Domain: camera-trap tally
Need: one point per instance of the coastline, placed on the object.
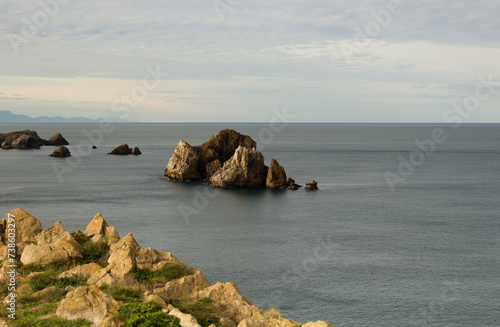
(93, 277)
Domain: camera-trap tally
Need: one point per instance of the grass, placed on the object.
(47, 279)
(55, 268)
(97, 252)
(205, 312)
(163, 275)
(146, 315)
(122, 293)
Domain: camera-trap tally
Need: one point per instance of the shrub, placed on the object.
(47, 279)
(122, 293)
(164, 275)
(149, 315)
(205, 312)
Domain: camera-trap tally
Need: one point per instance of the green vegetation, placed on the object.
(54, 268)
(205, 312)
(46, 279)
(164, 275)
(122, 293)
(146, 315)
(97, 252)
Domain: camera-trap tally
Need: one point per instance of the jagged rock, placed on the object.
(61, 152)
(183, 163)
(89, 303)
(83, 270)
(184, 286)
(276, 176)
(102, 277)
(190, 163)
(99, 227)
(312, 186)
(152, 259)
(63, 251)
(27, 226)
(56, 139)
(123, 254)
(212, 167)
(228, 298)
(318, 323)
(21, 140)
(124, 150)
(245, 169)
(186, 320)
(53, 234)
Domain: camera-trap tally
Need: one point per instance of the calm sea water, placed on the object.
(356, 253)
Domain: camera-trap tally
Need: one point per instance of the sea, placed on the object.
(403, 231)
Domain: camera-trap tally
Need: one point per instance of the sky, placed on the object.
(241, 61)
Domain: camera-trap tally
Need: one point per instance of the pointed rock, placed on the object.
(56, 139)
(27, 226)
(276, 176)
(123, 255)
(96, 227)
(54, 234)
(183, 163)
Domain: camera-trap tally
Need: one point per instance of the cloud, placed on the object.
(256, 55)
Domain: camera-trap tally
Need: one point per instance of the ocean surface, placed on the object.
(396, 236)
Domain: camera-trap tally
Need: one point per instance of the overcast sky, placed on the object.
(236, 60)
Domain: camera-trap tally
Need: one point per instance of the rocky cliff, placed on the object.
(96, 278)
(228, 160)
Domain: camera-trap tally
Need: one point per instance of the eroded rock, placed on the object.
(53, 235)
(276, 176)
(61, 152)
(63, 251)
(57, 140)
(89, 303)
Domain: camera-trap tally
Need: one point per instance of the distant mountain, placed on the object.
(8, 117)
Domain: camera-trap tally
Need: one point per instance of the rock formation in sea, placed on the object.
(21, 140)
(57, 140)
(29, 140)
(125, 150)
(61, 152)
(95, 278)
(312, 186)
(228, 160)
(291, 185)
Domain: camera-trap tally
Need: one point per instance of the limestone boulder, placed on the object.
(228, 298)
(102, 277)
(61, 152)
(98, 226)
(183, 164)
(63, 251)
(276, 176)
(184, 286)
(86, 271)
(152, 259)
(27, 226)
(57, 140)
(53, 235)
(89, 303)
(186, 320)
(245, 169)
(123, 255)
(268, 319)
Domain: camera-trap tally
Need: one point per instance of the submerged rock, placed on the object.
(61, 152)
(56, 139)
